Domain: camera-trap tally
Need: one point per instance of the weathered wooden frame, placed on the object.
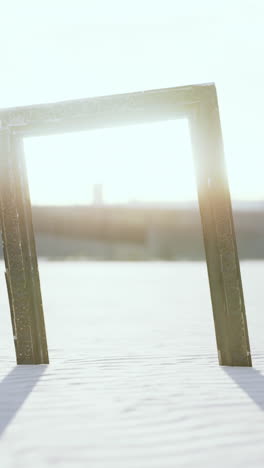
(199, 104)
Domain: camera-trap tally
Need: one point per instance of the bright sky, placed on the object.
(59, 49)
(149, 162)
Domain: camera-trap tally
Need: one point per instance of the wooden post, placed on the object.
(20, 254)
(219, 234)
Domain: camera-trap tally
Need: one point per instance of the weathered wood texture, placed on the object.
(198, 103)
(105, 111)
(219, 235)
(20, 255)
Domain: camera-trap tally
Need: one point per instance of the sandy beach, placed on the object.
(134, 379)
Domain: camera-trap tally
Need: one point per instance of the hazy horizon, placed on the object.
(131, 203)
(150, 162)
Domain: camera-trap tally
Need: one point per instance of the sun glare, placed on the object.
(143, 163)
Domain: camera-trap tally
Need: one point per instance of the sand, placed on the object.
(134, 379)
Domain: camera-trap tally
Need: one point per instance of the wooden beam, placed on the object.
(100, 112)
(219, 234)
(20, 255)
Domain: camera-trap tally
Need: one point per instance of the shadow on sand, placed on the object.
(14, 390)
(250, 380)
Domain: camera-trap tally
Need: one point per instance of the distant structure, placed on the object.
(98, 194)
